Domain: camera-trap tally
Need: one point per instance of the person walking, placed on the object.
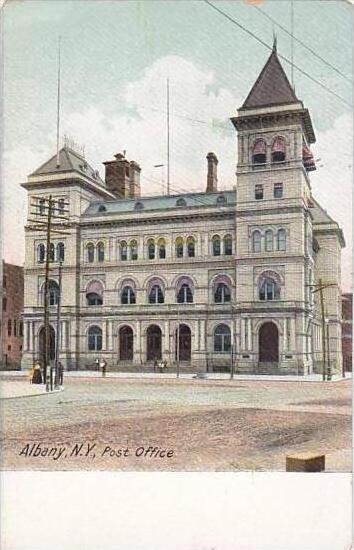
(60, 373)
(37, 374)
(103, 365)
(97, 364)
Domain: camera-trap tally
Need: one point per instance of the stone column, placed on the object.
(243, 333)
(292, 334)
(202, 335)
(32, 339)
(110, 335)
(104, 335)
(196, 335)
(249, 334)
(25, 336)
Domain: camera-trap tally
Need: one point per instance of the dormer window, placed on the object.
(259, 153)
(102, 208)
(278, 149)
(181, 202)
(138, 206)
(221, 200)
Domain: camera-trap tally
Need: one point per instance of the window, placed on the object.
(128, 295)
(179, 247)
(259, 153)
(222, 339)
(90, 253)
(161, 245)
(61, 205)
(216, 245)
(60, 252)
(41, 253)
(278, 190)
(41, 207)
(181, 202)
(9, 327)
(281, 240)
(102, 208)
(21, 328)
(269, 244)
(51, 252)
(191, 247)
(4, 303)
(156, 295)
(256, 241)
(138, 206)
(221, 200)
(228, 245)
(222, 294)
(185, 294)
(94, 293)
(278, 149)
(258, 192)
(4, 281)
(123, 251)
(151, 249)
(53, 293)
(100, 252)
(134, 250)
(269, 290)
(15, 327)
(94, 338)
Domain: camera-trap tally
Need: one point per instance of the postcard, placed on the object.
(176, 299)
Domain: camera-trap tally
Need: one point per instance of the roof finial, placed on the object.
(274, 42)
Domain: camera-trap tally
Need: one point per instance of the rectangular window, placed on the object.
(9, 327)
(258, 192)
(4, 304)
(4, 281)
(278, 190)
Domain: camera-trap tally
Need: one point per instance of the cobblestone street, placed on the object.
(167, 424)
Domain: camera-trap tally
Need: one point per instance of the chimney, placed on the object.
(134, 181)
(212, 178)
(122, 177)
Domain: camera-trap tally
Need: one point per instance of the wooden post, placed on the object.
(323, 331)
(46, 293)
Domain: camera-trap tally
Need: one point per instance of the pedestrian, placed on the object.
(37, 374)
(97, 364)
(60, 373)
(103, 366)
(30, 374)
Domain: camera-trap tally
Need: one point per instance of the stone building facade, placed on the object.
(347, 330)
(203, 279)
(11, 315)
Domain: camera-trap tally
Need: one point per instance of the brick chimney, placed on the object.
(212, 177)
(122, 177)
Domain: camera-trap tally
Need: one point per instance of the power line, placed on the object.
(279, 55)
(291, 34)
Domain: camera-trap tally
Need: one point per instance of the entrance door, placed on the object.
(185, 343)
(126, 340)
(268, 343)
(153, 343)
(41, 344)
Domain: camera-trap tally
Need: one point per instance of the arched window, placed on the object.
(191, 247)
(133, 249)
(269, 289)
(161, 245)
(256, 241)
(60, 252)
(156, 295)
(40, 253)
(269, 243)
(216, 245)
(90, 251)
(259, 152)
(100, 252)
(179, 247)
(151, 249)
(94, 293)
(222, 339)
(222, 293)
(123, 251)
(53, 293)
(51, 252)
(128, 295)
(185, 294)
(278, 149)
(94, 337)
(228, 245)
(281, 239)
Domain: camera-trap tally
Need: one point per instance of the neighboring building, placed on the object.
(11, 316)
(347, 330)
(207, 276)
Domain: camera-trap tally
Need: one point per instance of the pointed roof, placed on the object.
(69, 161)
(272, 87)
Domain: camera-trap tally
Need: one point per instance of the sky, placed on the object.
(116, 57)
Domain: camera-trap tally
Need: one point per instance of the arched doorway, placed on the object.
(126, 342)
(268, 339)
(185, 343)
(41, 344)
(153, 343)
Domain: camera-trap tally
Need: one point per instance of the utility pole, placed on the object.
(58, 338)
(177, 343)
(319, 288)
(46, 291)
(232, 347)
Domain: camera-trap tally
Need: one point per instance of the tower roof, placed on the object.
(272, 87)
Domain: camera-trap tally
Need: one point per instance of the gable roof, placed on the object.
(69, 161)
(272, 87)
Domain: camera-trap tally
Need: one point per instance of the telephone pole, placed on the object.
(319, 288)
(46, 290)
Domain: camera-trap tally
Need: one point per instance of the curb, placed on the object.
(33, 394)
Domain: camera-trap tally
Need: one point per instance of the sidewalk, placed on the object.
(18, 388)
